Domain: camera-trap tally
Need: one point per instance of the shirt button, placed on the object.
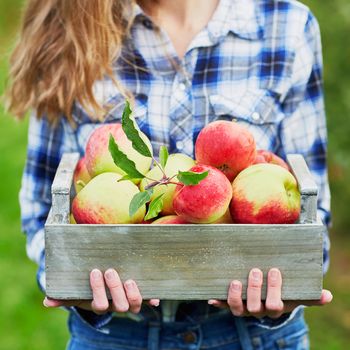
(189, 337)
(179, 145)
(182, 87)
(256, 116)
(147, 23)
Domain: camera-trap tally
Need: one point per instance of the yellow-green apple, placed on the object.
(98, 157)
(265, 194)
(205, 202)
(225, 219)
(263, 156)
(104, 200)
(81, 175)
(170, 219)
(176, 162)
(72, 220)
(227, 146)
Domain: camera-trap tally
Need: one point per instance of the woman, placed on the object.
(184, 64)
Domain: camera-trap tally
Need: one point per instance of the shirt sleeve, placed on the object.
(304, 128)
(303, 131)
(45, 148)
(46, 145)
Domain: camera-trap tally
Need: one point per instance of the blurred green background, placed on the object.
(26, 324)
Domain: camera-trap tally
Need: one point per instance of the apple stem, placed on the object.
(160, 167)
(152, 184)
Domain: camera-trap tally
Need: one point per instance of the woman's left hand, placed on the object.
(273, 306)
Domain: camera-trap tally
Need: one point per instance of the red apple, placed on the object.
(227, 146)
(263, 156)
(265, 194)
(205, 202)
(170, 219)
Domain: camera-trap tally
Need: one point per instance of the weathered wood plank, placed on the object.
(61, 188)
(307, 187)
(183, 262)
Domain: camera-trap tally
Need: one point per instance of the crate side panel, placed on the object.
(184, 262)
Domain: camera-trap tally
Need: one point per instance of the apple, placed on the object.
(227, 146)
(225, 219)
(170, 219)
(72, 220)
(146, 222)
(175, 163)
(81, 175)
(263, 156)
(205, 202)
(265, 194)
(104, 200)
(98, 157)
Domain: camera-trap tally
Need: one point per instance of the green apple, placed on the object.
(99, 159)
(81, 175)
(176, 162)
(104, 200)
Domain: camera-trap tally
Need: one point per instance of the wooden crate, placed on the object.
(182, 262)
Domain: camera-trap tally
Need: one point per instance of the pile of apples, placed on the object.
(240, 183)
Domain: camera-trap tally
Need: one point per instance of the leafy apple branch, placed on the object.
(129, 167)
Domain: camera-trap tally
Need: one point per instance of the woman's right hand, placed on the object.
(125, 296)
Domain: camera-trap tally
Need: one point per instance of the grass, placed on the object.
(26, 324)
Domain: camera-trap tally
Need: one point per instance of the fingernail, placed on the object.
(96, 274)
(129, 284)
(44, 303)
(273, 275)
(211, 302)
(329, 295)
(109, 274)
(156, 303)
(256, 275)
(235, 285)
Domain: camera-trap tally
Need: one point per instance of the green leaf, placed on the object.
(138, 201)
(155, 207)
(122, 161)
(132, 133)
(191, 178)
(125, 178)
(163, 156)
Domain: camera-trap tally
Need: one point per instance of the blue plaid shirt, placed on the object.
(256, 62)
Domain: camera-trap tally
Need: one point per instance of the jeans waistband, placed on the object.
(196, 311)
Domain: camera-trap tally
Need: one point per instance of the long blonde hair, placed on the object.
(63, 48)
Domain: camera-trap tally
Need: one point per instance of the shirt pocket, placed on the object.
(85, 125)
(257, 110)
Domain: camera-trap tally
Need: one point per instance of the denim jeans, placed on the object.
(219, 332)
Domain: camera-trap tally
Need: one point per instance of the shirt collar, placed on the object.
(237, 16)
